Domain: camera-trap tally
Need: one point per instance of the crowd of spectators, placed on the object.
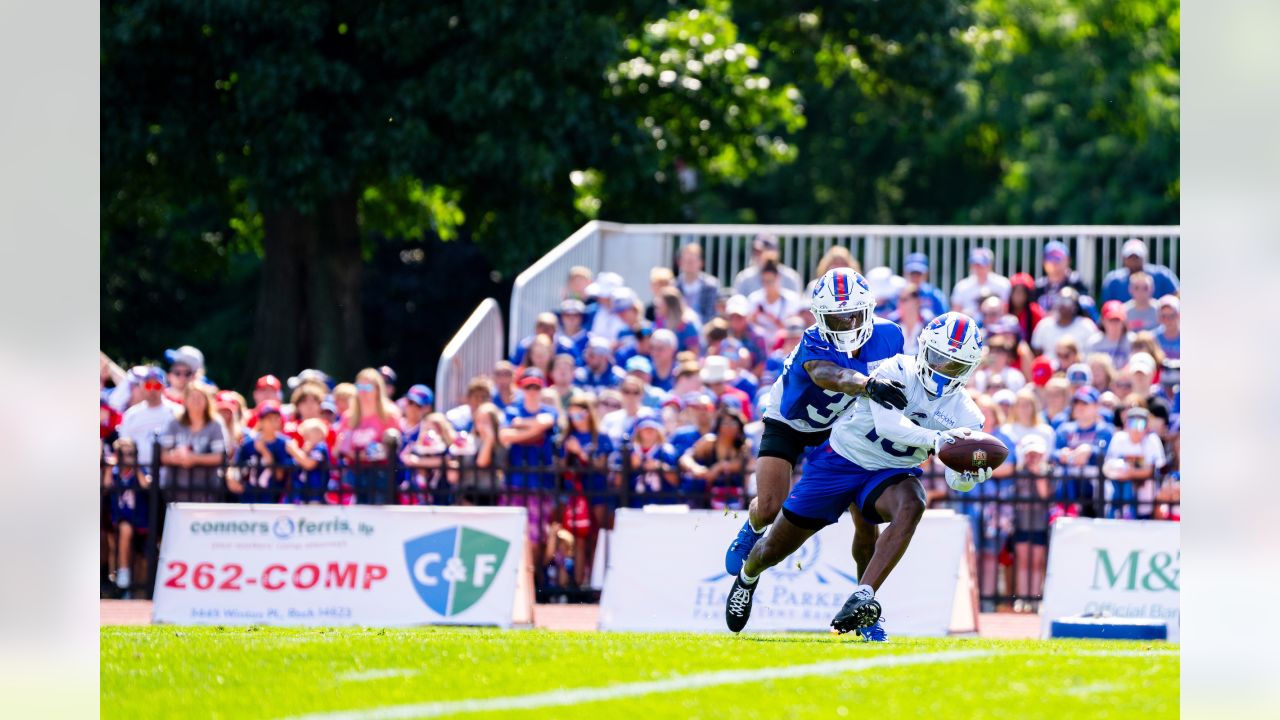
(611, 401)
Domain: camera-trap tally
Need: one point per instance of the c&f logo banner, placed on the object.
(452, 568)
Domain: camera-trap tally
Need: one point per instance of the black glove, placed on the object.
(887, 392)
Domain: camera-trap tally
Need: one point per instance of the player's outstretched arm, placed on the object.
(830, 376)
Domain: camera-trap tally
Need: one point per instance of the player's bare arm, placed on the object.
(830, 376)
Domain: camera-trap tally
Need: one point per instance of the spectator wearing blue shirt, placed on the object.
(1170, 335)
(504, 389)
(637, 344)
(916, 271)
(662, 354)
(1081, 447)
(264, 459)
(640, 368)
(546, 326)
(599, 372)
(697, 417)
(529, 436)
(651, 465)
(737, 310)
(1115, 286)
(572, 324)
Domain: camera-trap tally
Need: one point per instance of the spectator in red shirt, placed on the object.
(266, 390)
(308, 399)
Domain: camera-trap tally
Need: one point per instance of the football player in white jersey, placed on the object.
(871, 463)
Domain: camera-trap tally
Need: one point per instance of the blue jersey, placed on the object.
(797, 401)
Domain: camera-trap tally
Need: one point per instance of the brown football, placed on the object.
(977, 451)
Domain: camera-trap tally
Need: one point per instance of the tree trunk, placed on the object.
(276, 346)
(333, 291)
(309, 310)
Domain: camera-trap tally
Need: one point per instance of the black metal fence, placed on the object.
(569, 503)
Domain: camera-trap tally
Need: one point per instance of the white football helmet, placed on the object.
(949, 353)
(843, 306)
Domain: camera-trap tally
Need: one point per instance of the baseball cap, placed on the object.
(604, 285)
(639, 363)
(1142, 362)
(623, 299)
(267, 408)
(1136, 411)
(329, 404)
(1030, 443)
(268, 381)
(187, 355)
(980, 256)
(1079, 374)
(1086, 394)
(648, 422)
(1134, 246)
(1055, 252)
(599, 344)
(573, 306)
(916, 262)
(764, 241)
(1041, 370)
(698, 399)
(531, 377)
(388, 375)
(308, 375)
(737, 305)
(1170, 301)
(420, 395)
(1114, 310)
(673, 401)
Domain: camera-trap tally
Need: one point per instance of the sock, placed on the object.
(747, 579)
(757, 530)
(867, 588)
(123, 579)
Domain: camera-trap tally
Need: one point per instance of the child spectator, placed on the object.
(312, 456)
(266, 390)
(545, 326)
(650, 465)
(263, 460)
(1141, 309)
(193, 448)
(427, 459)
(1033, 487)
(344, 394)
(540, 354)
(479, 392)
(1132, 458)
(1022, 305)
(130, 508)
(481, 476)
(586, 454)
(308, 404)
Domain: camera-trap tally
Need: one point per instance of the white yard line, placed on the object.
(696, 681)
(1115, 653)
(378, 674)
(1092, 689)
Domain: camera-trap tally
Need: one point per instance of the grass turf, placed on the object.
(167, 671)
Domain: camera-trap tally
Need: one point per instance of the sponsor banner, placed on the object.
(352, 565)
(666, 572)
(1122, 568)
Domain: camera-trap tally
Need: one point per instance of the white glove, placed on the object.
(965, 481)
(949, 436)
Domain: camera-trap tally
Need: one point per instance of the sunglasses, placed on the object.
(364, 387)
(152, 385)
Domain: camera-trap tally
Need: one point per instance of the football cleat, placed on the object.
(874, 633)
(740, 548)
(861, 610)
(737, 608)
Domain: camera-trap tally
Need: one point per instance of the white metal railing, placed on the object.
(633, 250)
(473, 350)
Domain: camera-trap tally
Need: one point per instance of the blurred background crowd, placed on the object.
(609, 401)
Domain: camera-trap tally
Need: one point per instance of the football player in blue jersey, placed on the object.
(820, 379)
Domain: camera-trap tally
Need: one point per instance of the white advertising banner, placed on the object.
(1123, 568)
(353, 565)
(666, 572)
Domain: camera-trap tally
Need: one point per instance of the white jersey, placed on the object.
(875, 437)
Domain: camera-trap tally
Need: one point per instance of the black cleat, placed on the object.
(737, 608)
(860, 611)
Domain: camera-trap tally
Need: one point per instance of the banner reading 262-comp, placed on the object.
(319, 565)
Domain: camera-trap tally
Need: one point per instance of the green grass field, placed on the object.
(354, 673)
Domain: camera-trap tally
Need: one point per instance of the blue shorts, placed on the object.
(831, 483)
